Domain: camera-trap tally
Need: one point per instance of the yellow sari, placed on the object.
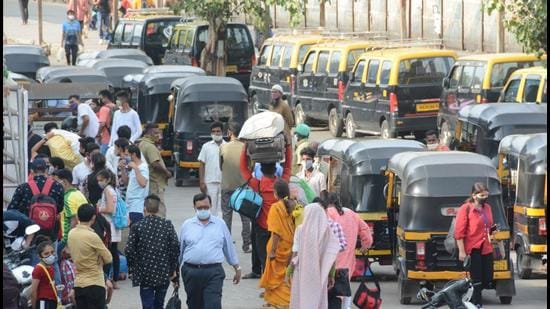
(277, 291)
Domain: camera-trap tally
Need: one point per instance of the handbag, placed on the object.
(368, 298)
(246, 201)
(174, 302)
(341, 282)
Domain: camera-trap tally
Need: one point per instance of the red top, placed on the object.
(265, 184)
(45, 289)
(442, 147)
(473, 229)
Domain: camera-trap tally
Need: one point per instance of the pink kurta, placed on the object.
(353, 226)
(81, 8)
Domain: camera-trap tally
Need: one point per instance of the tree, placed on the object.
(525, 19)
(218, 12)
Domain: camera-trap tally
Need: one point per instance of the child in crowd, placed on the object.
(44, 292)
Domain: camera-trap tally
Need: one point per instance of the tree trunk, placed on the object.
(213, 55)
(322, 13)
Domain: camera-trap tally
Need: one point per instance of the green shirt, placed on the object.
(73, 199)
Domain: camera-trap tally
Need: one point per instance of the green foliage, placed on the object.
(526, 20)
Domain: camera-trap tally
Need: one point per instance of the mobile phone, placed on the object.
(494, 228)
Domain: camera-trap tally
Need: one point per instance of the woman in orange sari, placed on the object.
(280, 223)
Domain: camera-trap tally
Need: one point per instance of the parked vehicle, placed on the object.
(425, 190)
(188, 40)
(116, 69)
(146, 29)
(477, 79)
(24, 59)
(199, 101)
(70, 74)
(362, 182)
(150, 94)
(123, 53)
(277, 64)
(395, 92)
(322, 79)
(523, 170)
(481, 127)
(526, 86)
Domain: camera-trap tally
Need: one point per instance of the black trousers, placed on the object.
(203, 286)
(71, 52)
(481, 270)
(24, 7)
(256, 265)
(334, 302)
(90, 297)
(261, 237)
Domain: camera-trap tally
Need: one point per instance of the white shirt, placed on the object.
(317, 181)
(93, 125)
(112, 159)
(210, 156)
(131, 119)
(72, 138)
(80, 173)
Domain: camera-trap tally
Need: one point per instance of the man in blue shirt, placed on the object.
(71, 37)
(205, 241)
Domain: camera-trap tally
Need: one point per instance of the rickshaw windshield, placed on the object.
(367, 193)
(154, 108)
(197, 116)
(530, 189)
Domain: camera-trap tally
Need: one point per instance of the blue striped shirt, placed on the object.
(206, 243)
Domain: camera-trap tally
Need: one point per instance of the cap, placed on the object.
(39, 164)
(277, 87)
(302, 129)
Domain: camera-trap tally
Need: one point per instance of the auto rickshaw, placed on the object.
(481, 127)
(116, 69)
(123, 53)
(201, 100)
(25, 59)
(522, 168)
(331, 152)
(363, 187)
(70, 74)
(425, 190)
(151, 93)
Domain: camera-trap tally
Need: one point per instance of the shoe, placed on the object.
(247, 249)
(251, 276)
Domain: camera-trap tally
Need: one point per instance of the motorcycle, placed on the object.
(456, 293)
(19, 264)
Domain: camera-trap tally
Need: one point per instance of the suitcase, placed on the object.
(267, 149)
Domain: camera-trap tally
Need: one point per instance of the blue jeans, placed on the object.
(153, 297)
(103, 25)
(103, 148)
(135, 217)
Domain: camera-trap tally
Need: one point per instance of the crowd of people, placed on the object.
(83, 185)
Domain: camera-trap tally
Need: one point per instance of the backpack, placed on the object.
(450, 241)
(120, 217)
(43, 210)
(246, 201)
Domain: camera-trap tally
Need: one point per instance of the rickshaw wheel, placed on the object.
(299, 114)
(523, 272)
(505, 300)
(400, 287)
(385, 130)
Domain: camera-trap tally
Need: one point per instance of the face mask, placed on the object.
(128, 159)
(118, 103)
(102, 185)
(432, 146)
(70, 17)
(309, 164)
(481, 201)
(217, 138)
(51, 169)
(203, 214)
(49, 259)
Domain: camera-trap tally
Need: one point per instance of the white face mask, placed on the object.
(203, 214)
(70, 17)
(308, 164)
(432, 146)
(217, 138)
(49, 259)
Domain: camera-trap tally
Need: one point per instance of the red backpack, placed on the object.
(43, 210)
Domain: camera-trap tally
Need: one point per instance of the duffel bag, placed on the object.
(246, 201)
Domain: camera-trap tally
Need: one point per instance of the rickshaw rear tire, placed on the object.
(523, 272)
(505, 300)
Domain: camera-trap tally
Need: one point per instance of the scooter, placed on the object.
(18, 262)
(456, 294)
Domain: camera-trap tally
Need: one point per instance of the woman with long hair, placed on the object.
(280, 223)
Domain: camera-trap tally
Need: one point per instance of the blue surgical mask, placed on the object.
(309, 164)
(50, 259)
(203, 214)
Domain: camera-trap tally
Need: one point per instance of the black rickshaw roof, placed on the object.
(532, 148)
(76, 74)
(443, 173)
(24, 58)
(370, 156)
(125, 53)
(335, 147)
(209, 88)
(159, 83)
(494, 115)
(64, 90)
(116, 69)
(155, 69)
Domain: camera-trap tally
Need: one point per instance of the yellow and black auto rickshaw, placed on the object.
(522, 168)
(199, 101)
(425, 190)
